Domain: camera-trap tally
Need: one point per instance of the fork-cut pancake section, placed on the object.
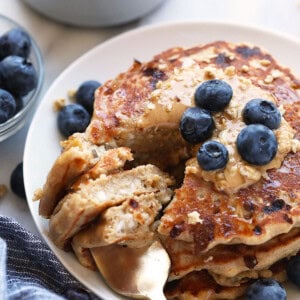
(91, 197)
(129, 224)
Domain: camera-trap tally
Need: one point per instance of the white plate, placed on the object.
(106, 61)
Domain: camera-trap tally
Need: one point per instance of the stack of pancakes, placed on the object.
(222, 230)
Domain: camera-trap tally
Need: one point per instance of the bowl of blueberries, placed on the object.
(21, 76)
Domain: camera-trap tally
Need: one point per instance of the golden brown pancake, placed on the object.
(200, 285)
(230, 260)
(252, 215)
(255, 213)
(243, 217)
(141, 107)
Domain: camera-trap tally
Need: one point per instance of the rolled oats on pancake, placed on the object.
(223, 227)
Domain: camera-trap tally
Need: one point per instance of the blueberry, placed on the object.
(18, 75)
(266, 289)
(17, 181)
(85, 94)
(76, 294)
(262, 112)
(7, 105)
(196, 125)
(72, 118)
(212, 155)
(213, 95)
(257, 144)
(20, 103)
(15, 42)
(293, 270)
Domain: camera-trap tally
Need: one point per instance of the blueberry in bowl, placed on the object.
(15, 42)
(18, 75)
(21, 76)
(7, 105)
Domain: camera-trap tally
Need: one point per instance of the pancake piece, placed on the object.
(132, 224)
(78, 155)
(128, 223)
(88, 198)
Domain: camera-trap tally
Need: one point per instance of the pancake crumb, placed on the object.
(59, 104)
(194, 217)
(38, 194)
(3, 190)
(72, 94)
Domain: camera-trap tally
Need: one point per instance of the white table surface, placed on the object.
(61, 44)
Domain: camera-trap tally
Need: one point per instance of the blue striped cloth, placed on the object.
(28, 268)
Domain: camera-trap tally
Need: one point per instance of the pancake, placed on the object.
(223, 228)
(229, 261)
(251, 216)
(141, 107)
(201, 285)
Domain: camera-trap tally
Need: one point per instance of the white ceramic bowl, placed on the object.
(18, 120)
(94, 12)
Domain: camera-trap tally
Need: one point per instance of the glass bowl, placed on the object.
(18, 120)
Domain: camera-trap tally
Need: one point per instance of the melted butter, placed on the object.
(174, 95)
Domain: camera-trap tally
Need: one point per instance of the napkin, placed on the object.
(29, 269)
